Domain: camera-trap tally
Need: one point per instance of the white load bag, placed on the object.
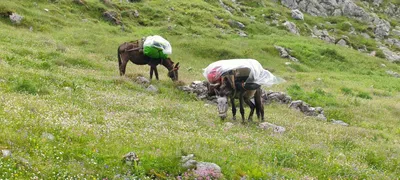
(257, 73)
(158, 42)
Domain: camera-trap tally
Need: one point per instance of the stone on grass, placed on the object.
(48, 136)
(6, 153)
(297, 14)
(339, 122)
(16, 18)
(142, 80)
(152, 88)
(207, 169)
(131, 159)
(188, 162)
(275, 128)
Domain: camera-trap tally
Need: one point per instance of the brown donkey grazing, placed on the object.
(235, 88)
(134, 52)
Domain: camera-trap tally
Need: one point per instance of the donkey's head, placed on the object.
(172, 70)
(222, 104)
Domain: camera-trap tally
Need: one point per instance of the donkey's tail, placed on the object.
(119, 57)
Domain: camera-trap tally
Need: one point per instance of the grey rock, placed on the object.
(228, 125)
(48, 136)
(382, 29)
(342, 42)
(152, 88)
(131, 159)
(112, 17)
(187, 158)
(142, 80)
(280, 97)
(393, 42)
(190, 164)
(6, 153)
(394, 74)
(227, 8)
(297, 14)
(390, 55)
(363, 49)
(291, 27)
(242, 34)
(365, 35)
(396, 32)
(377, 2)
(392, 10)
(292, 4)
(350, 9)
(136, 13)
(236, 24)
(323, 35)
(339, 122)
(321, 117)
(16, 18)
(273, 127)
(207, 169)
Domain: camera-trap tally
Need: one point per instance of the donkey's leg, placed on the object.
(252, 107)
(156, 72)
(241, 105)
(233, 107)
(151, 72)
(122, 65)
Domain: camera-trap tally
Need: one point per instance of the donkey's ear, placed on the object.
(177, 65)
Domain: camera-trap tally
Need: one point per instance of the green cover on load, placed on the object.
(154, 52)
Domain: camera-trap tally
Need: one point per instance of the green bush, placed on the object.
(346, 91)
(364, 95)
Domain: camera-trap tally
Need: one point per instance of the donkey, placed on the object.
(233, 87)
(134, 52)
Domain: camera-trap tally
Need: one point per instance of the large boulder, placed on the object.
(297, 14)
(382, 28)
(350, 9)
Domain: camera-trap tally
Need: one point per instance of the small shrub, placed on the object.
(380, 54)
(338, 114)
(332, 54)
(376, 160)
(347, 91)
(295, 91)
(364, 95)
(26, 86)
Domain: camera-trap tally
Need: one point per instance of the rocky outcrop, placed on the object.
(382, 28)
(323, 35)
(390, 55)
(346, 8)
(284, 53)
(291, 27)
(200, 89)
(307, 109)
(112, 17)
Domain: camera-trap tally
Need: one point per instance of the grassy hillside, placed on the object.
(66, 113)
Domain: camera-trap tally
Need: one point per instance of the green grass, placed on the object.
(62, 79)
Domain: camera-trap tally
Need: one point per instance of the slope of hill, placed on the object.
(66, 113)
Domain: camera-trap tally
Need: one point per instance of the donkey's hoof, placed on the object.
(234, 118)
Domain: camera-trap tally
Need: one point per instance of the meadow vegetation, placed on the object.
(59, 76)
